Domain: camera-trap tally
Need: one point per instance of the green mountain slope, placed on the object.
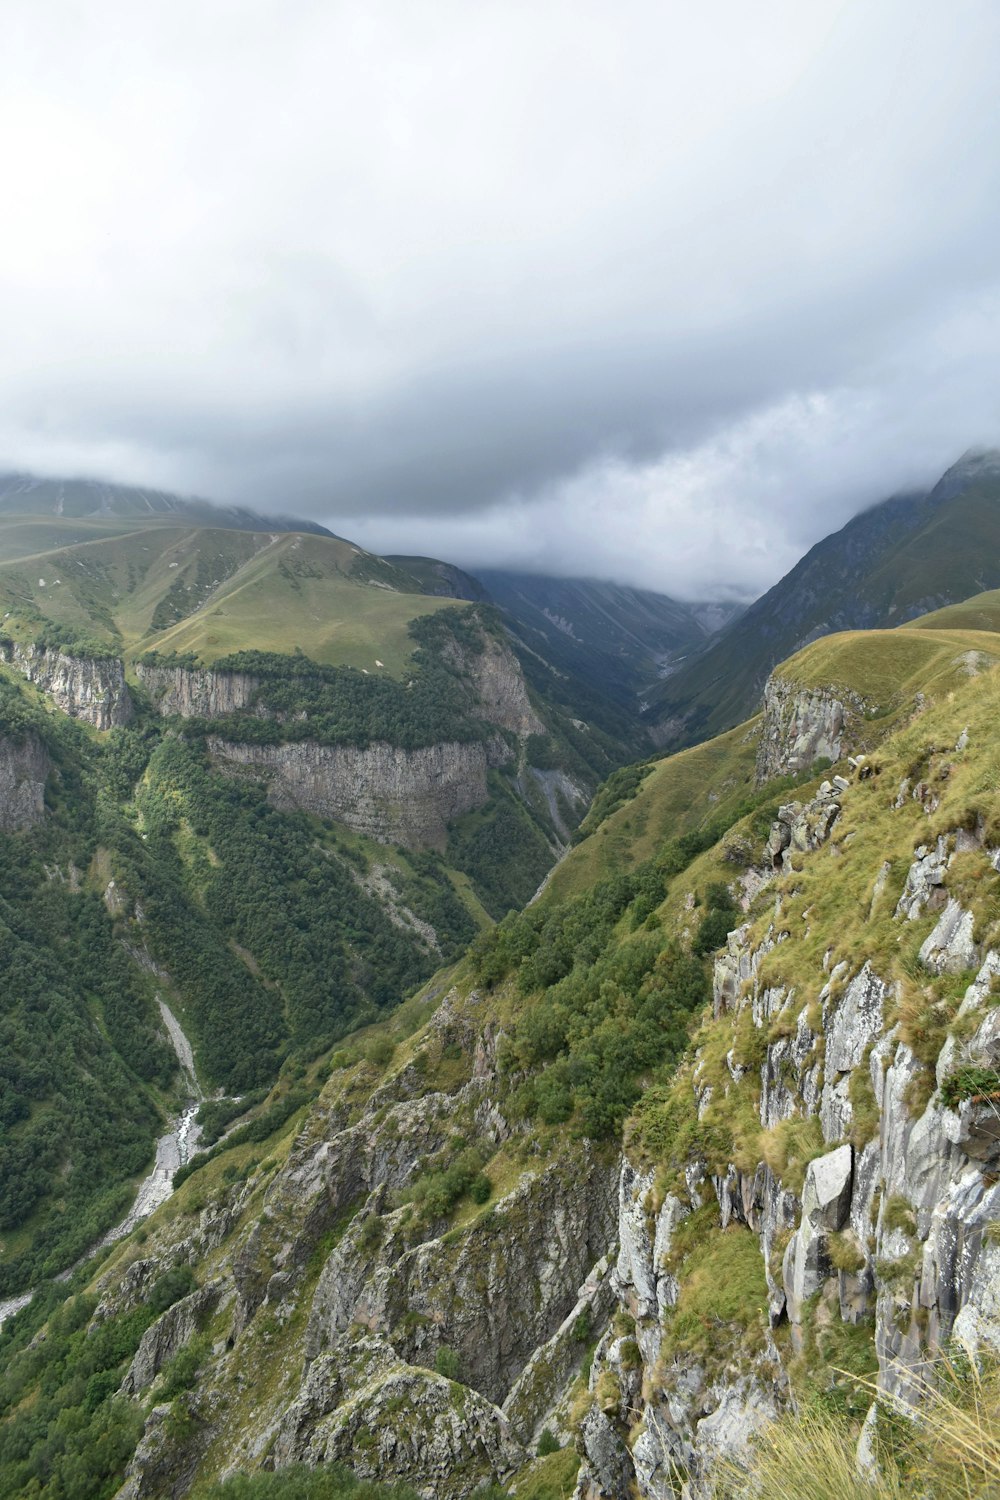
(702, 1137)
(315, 788)
(901, 559)
(209, 592)
(618, 638)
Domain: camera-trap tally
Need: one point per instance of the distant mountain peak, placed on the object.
(42, 495)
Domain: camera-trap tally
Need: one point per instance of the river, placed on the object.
(173, 1150)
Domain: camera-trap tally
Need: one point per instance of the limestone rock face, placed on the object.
(88, 688)
(24, 769)
(166, 1337)
(801, 725)
(501, 693)
(395, 796)
(197, 693)
(894, 1224)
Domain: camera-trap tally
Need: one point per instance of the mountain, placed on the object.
(700, 1144)
(95, 500)
(436, 577)
(911, 554)
(620, 638)
(255, 787)
(609, 643)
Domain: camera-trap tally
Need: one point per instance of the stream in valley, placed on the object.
(173, 1150)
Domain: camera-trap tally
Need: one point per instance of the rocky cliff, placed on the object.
(499, 686)
(802, 725)
(197, 693)
(445, 1262)
(843, 1131)
(24, 770)
(85, 687)
(408, 1345)
(396, 796)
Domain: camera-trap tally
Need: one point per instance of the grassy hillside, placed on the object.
(887, 666)
(211, 592)
(981, 612)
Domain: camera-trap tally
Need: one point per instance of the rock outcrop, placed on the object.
(501, 692)
(428, 1352)
(24, 770)
(802, 725)
(893, 1225)
(197, 693)
(89, 688)
(397, 796)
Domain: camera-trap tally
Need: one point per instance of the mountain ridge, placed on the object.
(899, 559)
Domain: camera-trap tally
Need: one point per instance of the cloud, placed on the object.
(657, 291)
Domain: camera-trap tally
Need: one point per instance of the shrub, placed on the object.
(446, 1363)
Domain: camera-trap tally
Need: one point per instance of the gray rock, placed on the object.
(924, 887)
(24, 770)
(826, 1197)
(84, 687)
(611, 1472)
(855, 1022)
(950, 948)
(392, 795)
(801, 725)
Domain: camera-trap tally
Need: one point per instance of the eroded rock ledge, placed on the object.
(397, 796)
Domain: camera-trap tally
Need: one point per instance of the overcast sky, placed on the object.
(663, 290)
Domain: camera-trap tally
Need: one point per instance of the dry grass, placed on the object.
(949, 1448)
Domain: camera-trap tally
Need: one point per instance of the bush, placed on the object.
(446, 1363)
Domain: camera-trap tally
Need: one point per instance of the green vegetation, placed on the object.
(722, 1284)
(336, 705)
(614, 793)
(502, 848)
(887, 565)
(203, 591)
(72, 1439)
(552, 1476)
(974, 1084)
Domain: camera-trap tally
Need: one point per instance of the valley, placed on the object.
(569, 1114)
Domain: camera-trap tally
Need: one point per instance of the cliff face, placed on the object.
(379, 1311)
(873, 1201)
(501, 692)
(24, 769)
(92, 689)
(801, 725)
(396, 796)
(197, 694)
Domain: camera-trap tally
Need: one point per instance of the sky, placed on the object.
(663, 292)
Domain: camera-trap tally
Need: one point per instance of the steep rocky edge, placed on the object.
(835, 1120)
(386, 792)
(197, 693)
(89, 688)
(396, 796)
(803, 725)
(364, 1300)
